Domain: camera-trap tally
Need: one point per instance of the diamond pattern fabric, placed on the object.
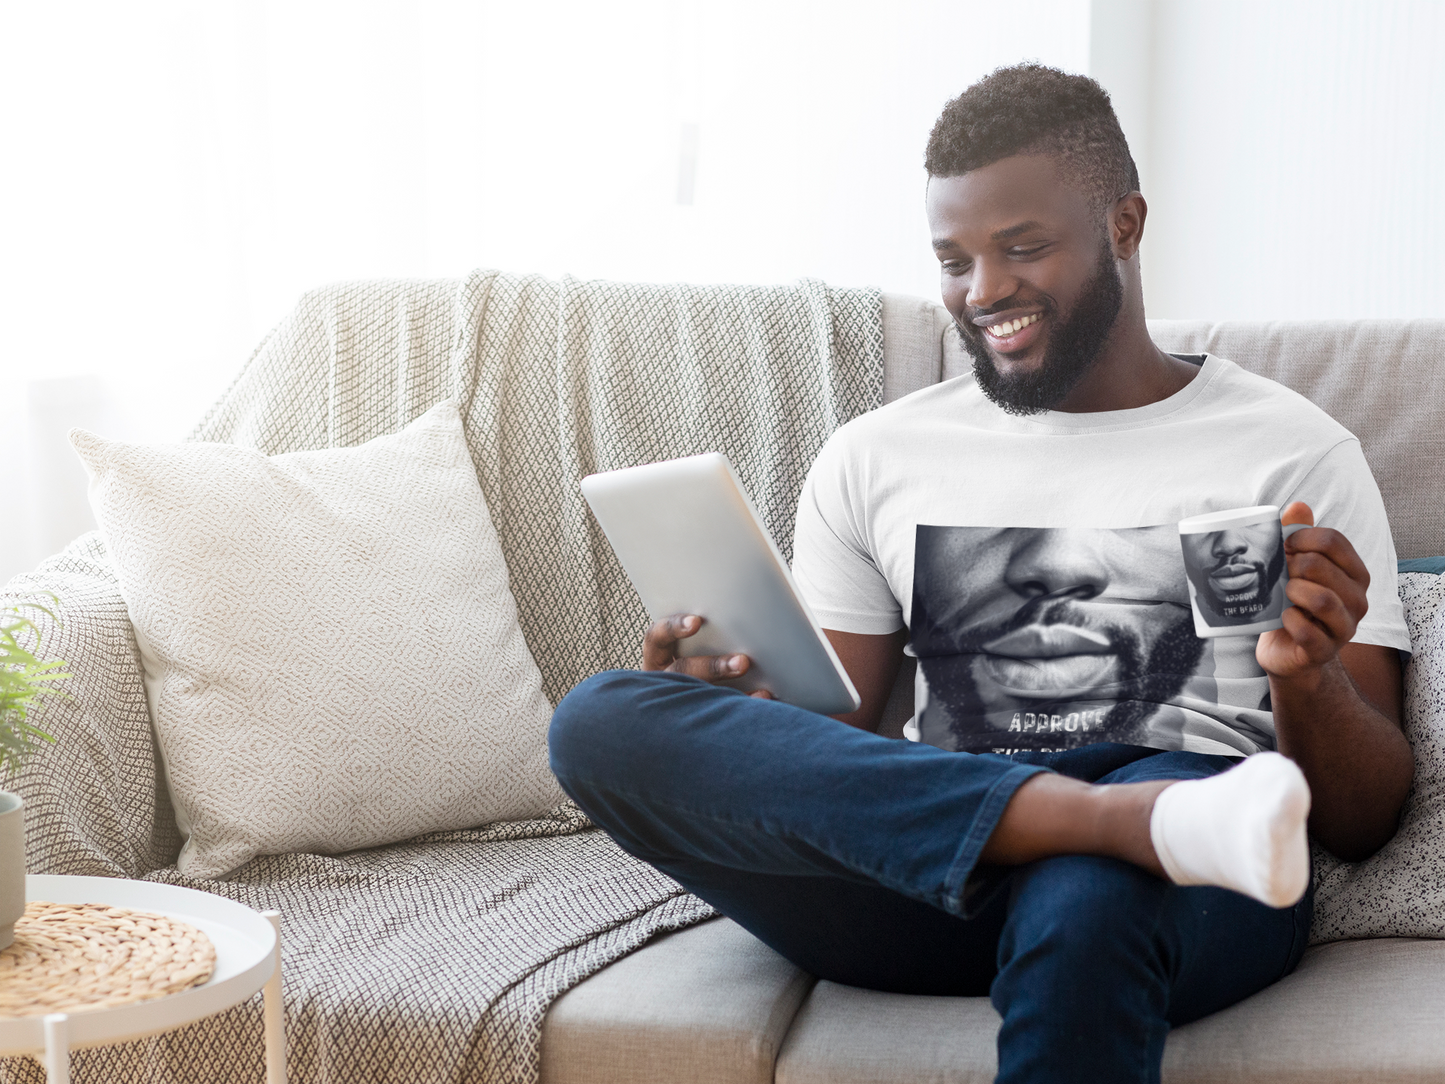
(331, 650)
(1400, 890)
(436, 959)
(95, 801)
(560, 379)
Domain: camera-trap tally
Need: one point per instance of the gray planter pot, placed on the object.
(12, 864)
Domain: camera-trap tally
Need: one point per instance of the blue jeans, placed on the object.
(856, 857)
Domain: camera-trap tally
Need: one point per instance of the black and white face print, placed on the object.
(1052, 638)
(1236, 575)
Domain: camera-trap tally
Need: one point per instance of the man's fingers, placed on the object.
(667, 632)
(659, 646)
(1312, 639)
(1313, 550)
(1330, 544)
(659, 651)
(1323, 609)
(1316, 568)
(1298, 512)
(1328, 584)
(712, 667)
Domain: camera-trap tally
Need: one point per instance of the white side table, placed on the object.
(248, 958)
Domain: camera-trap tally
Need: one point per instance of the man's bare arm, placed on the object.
(1350, 746)
(872, 662)
(1337, 705)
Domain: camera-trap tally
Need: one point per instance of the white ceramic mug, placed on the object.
(1235, 564)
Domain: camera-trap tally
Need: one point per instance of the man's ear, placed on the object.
(1126, 225)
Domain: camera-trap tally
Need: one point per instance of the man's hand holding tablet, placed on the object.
(659, 652)
(723, 604)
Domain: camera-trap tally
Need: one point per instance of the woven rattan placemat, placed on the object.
(70, 957)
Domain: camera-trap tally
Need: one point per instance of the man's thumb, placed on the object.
(1298, 512)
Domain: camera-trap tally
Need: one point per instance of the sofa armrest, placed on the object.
(94, 800)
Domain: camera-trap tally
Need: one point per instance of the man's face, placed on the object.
(1028, 275)
(1032, 619)
(1236, 566)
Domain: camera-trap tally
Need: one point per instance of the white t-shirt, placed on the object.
(1036, 560)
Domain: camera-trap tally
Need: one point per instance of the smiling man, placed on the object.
(1102, 883)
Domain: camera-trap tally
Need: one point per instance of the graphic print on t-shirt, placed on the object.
(1037, 638)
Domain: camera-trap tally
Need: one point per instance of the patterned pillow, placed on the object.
(1400, 892)
(331, 648)
(1434, 565)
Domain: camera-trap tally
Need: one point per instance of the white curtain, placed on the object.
(175, 174)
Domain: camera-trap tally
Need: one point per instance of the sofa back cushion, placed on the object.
(1381, 379)
(914, 339)
(557, 380)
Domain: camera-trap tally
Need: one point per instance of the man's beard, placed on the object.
(1251, 602)
(1072, 348)
(1150, 674)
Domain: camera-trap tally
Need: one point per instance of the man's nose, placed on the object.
(1059, 563)
(1229, 544)
(989, 283)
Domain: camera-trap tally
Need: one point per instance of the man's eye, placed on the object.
(955, 267)
(1028, 250)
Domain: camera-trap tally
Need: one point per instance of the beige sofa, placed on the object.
(712, 1004)
(707, 1004)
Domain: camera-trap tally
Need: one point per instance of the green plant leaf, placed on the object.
(26, 681)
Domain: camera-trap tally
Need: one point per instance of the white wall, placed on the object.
(177, 173)
(186, 170)
(1293, 153)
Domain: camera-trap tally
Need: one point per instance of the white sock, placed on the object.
(1242, 829)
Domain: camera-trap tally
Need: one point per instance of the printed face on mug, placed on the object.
(1235, 562)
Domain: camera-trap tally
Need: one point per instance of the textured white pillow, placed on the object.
(331, 648)
(1400, 892)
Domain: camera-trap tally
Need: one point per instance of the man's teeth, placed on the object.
(1008, 327)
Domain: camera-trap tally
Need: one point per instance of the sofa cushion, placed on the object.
(1381, 379)
(1353, 1011)
(1400, 890)
(844, 1034)
(912, 344)
(711, 1003)
(331, 647)
(1434, 566)
(559, 379)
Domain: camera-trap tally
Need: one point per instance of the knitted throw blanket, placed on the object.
(436, 959)
(560, 379)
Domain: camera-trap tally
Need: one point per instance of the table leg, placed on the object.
(57, 1048)
(275, 1015)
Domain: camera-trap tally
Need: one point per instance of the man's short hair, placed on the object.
(1032, 109)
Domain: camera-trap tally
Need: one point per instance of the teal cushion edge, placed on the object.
(1433, 565)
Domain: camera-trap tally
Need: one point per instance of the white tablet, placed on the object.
(692, 543)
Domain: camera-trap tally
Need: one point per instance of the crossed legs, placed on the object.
(895, 866)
